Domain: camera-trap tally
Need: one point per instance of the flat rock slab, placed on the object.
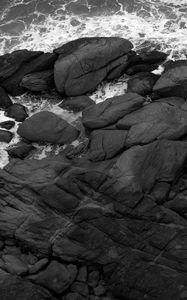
(81, 68)
(48, 128)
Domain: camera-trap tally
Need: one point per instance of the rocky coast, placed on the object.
(105, 218)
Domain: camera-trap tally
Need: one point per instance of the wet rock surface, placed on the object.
(106, 219)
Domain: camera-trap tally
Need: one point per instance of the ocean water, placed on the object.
(46, 24)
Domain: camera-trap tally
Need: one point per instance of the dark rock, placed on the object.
(13, 288)
(106, 144)
(47, 127)
(80, 287)
(17, 111)
(38, 266)
(5, 100)
(11, 62)
(75, 45)
(56, 277)
(157, 120)
(82, 274)
(38, 81)
(152, 57)
(128, 226)
(20, 150)
(120, 66)
(41, 63)
(142, 83)
(77, 104)
(14, 265)
(99, 290)
(111, 110)
(93, 278)
(74, 296)
(5, 136)
(173, 82)
(141, 68)
(7, 124)
(81, 68)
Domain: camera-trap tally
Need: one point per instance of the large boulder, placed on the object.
(173, 82)
(49, 128)
(157, 120)
(81, 68)
(111, 110)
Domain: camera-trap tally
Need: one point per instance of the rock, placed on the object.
(120, 66)
(38, 266)
(82, 274)
(20, 150)
(5, 100)
(129, 225)
(11, 62)
(111, 110)
(56, 277)
(13, 288)
(1, 245)
(157, 120)
(99, 290)
(14, 265)
(105, 144)
(5, 136)
(80, 287)
(38, 81)
(173, 82)
(49, 128)
(74, 296)
(17, 111)
(74, 45)
(77, 104)
(40, 63)
(7, 124)
(142, 83)
(93, 278)
(152, 57)
(85, 63)
(141, 68)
